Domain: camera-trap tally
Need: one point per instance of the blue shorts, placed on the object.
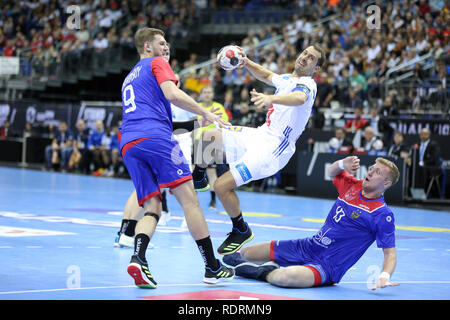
(155, 163)
(290, 253)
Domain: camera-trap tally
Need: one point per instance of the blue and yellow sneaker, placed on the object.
(223, 273)
(139, 271)
(235, 240)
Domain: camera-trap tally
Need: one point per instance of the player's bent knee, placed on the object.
(153, 215)
(291, 277)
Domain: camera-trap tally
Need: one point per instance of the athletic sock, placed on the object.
(198, 173)
(141, 242)
(164, 201)
(123, 226)
(239, 223)
(129, 229)
(206, 250)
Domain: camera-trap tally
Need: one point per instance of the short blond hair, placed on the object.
(394, 174)
(144, 35)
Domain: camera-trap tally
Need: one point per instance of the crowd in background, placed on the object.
(358, 59)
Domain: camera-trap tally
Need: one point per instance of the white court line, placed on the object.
(131, 286)
(201, 285)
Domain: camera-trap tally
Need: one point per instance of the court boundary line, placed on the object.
(204, 285)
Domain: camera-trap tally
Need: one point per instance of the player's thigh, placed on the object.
(132, 208)
(153, 205)
(142, 175)
(225, 183)
(257, 252)
(292, 277)
(185, 194)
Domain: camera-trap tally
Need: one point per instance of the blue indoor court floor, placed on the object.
(57, 233)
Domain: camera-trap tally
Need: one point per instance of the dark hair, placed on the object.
(323, 58)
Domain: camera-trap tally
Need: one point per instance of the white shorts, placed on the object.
(254, 153)
(185, 142)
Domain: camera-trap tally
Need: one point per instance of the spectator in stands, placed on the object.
(358, 122)
(374, 51)
(398, 149)
(374, 121)
(429, 151)
(242, 116)
(6, 131)
(81, 137)
(429, 160)
(358, 83)
(325, 92)
(340, 143)
(28, 130)
(58, 153)
(100, 43)
(105, 153)
(388, 109)
(114, 147)
(371, 142)
(228, 104)
(94, 146)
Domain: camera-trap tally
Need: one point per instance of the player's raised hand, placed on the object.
(351, 164)
(244, 57)
(260, 99)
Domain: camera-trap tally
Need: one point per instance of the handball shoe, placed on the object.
(223, 273)
(235, 240)
(139, 271)
(255, 270)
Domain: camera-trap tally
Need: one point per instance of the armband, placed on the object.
(187, 125)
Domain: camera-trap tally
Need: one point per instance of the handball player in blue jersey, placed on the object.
(359, 217)
(153, 158)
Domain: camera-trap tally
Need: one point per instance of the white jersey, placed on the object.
(179, 114)
(184, 139)
(257, 153)
(288, 122)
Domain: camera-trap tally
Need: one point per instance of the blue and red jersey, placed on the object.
(352, 225)
(146, 111)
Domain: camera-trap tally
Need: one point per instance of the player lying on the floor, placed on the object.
(359, 217)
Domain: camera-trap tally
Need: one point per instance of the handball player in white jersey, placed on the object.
(257, 153)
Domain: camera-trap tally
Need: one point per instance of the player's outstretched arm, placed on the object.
(181, 99)
(389, 263)
(257, 70)
(351, 164)
(293, 99)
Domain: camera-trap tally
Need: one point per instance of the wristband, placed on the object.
(341, 164)
(385, 275)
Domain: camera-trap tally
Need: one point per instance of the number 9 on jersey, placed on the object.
(128, 91)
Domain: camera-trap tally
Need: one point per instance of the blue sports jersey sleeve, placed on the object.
(385, 229)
